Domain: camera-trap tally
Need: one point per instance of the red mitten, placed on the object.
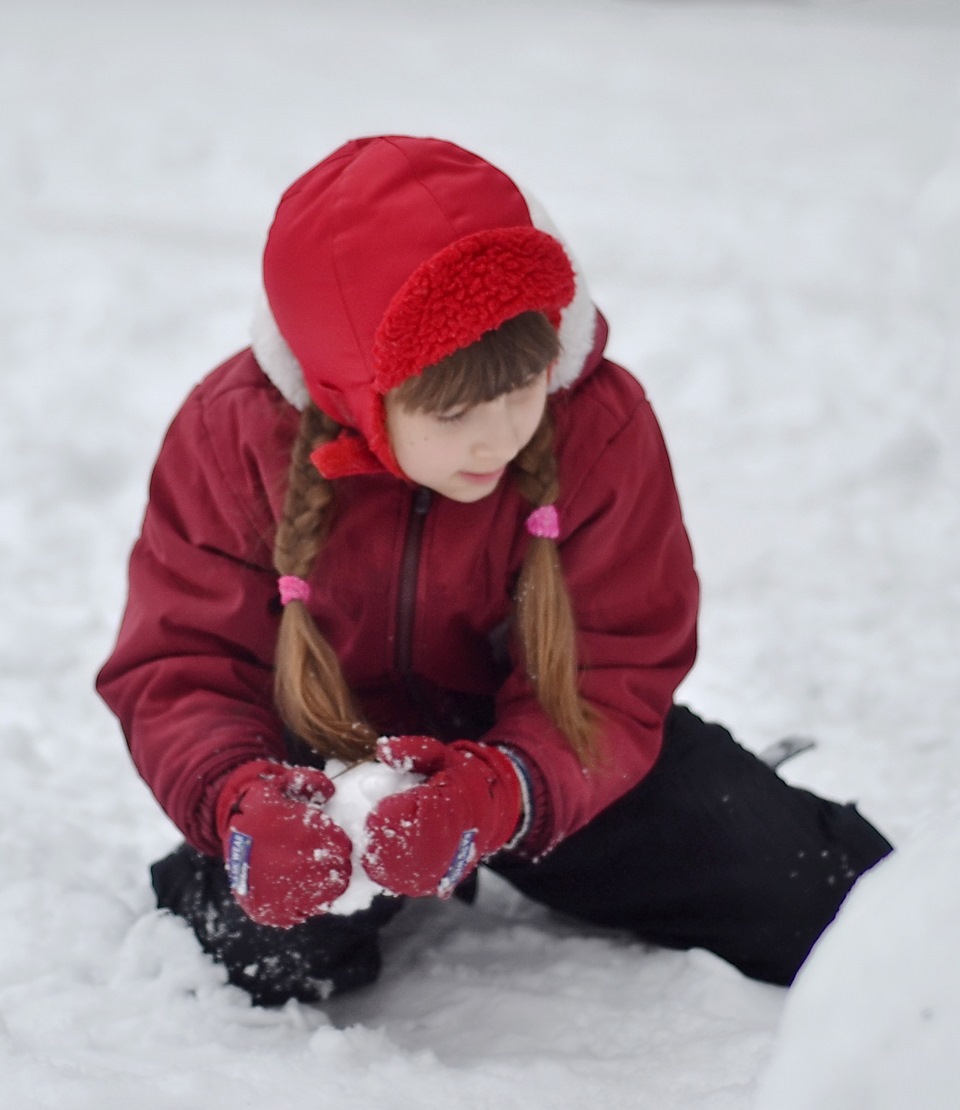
(426, 839)
(286, 859)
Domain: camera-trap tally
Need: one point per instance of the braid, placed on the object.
(545, 622)
(305, 519)
(311, 693)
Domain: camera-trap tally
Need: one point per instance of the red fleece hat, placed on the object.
(385, 258)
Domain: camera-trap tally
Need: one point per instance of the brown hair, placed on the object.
(311, 693)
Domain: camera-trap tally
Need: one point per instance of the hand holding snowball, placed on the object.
(286, 858)
(426, 839)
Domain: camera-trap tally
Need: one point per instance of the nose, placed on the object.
(498, 436)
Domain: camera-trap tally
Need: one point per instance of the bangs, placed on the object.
(507, 358)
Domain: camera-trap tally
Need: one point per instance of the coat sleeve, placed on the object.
(629, 567)
(190, 678)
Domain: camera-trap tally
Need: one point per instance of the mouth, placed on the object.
(484, 477)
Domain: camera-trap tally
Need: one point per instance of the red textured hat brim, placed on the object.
(465, 290)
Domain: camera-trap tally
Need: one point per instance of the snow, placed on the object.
(877, 1006)
(358, 789)
(765, 198)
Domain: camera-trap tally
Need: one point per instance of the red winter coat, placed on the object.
(412, 590)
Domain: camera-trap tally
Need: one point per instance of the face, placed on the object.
(463, 453)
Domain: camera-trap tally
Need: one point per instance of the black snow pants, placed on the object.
(711, 850)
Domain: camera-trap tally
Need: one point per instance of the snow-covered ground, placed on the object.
(766, 199)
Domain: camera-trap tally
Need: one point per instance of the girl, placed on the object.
(424, 506)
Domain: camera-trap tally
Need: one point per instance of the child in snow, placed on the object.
(424, 521)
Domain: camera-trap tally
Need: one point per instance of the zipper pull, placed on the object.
(421, 501)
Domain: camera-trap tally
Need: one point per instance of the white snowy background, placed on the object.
(766, 200)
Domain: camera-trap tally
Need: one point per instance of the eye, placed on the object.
(451, 416)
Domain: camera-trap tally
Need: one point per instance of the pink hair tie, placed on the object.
(544, 522)
(293, 588)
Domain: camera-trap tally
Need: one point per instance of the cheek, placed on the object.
(408, 436)
(421, 454)
(534, 416)
(407, 448)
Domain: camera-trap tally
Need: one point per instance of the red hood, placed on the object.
(389, 255)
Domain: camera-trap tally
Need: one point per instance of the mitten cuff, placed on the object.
(526, 800)
(537, 837)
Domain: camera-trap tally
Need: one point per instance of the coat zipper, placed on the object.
(409, 575)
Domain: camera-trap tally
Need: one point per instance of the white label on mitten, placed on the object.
(462, 858)
(238, 861)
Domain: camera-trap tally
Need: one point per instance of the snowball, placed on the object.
(358, 789)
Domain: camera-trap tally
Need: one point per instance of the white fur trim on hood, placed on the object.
(578, 323)
(276, 359)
